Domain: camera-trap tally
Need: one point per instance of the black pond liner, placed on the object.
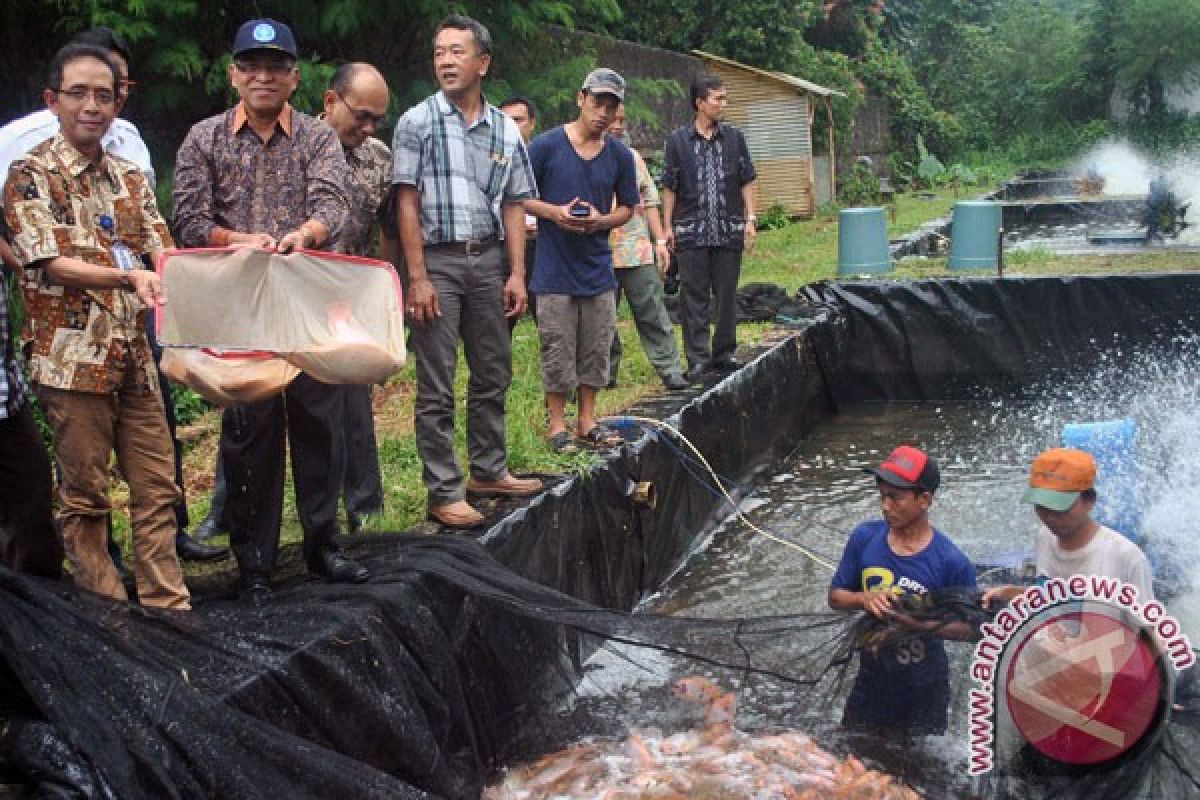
(429, 675)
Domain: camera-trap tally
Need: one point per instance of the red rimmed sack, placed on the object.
(338, 318)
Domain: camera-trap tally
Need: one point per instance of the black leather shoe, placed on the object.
(207, 529)
(675, 382)
(254, 589)
(336, 568)
(188, 549)
(725, 365)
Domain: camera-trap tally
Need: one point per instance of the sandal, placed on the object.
(601, 437)
(562, 443)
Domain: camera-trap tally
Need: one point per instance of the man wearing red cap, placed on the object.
(904, 685)
(1062, 489)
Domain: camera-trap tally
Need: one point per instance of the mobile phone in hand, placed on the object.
(580, 210)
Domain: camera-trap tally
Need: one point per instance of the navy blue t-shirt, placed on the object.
(906, 684)
(569, 263)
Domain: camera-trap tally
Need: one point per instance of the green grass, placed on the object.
(797, 254)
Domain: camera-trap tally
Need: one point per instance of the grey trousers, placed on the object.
(471, 296)
(705, 273)
(643, 289)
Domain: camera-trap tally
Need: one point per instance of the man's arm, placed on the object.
(512, 214)
(751, 230)
(82, 275)
(422, 297)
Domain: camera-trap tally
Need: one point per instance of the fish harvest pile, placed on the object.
(716, 762)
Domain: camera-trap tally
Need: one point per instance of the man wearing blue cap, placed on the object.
(263, 174)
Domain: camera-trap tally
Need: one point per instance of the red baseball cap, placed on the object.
(908, 468)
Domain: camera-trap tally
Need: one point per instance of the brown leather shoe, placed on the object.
(508, 486)
(459, 514)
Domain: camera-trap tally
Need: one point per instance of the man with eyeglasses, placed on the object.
(263, 174)
(122, 139)
(461, 172)
(356, 104)
(79, 219)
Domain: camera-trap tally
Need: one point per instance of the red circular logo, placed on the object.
(1084, 687)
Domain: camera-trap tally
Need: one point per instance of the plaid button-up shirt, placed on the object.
(12, 382)
(462, 173)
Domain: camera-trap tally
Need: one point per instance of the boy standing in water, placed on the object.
(1062, 489)
(902, 686)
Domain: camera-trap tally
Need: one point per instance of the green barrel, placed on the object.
(975, 234)
(862, 242)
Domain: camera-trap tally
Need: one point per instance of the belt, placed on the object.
(471, 247)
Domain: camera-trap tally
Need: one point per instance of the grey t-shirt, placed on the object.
(1108, 554)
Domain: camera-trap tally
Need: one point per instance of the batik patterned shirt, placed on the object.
(631, 243)
(228, 179)
(84, 340)
(707, 176)
(370, 176)
(462, 172)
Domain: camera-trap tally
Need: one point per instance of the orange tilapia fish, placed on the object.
(717, 762)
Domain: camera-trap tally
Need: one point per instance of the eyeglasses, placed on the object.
(275, 68)
(127, 85)
(361, 115)
(77, 94)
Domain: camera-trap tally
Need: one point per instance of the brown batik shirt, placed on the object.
(227, 179)
(85, 340)
(368, 184)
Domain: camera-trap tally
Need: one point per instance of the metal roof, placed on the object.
(780, 77)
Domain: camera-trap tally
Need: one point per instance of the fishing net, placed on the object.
(251, 320)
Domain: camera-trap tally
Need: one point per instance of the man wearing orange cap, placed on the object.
(902, 686)
(1062, 489)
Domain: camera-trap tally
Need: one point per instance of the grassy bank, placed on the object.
(791, 256)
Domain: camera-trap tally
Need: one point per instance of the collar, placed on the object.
(240, 119)
(719, 132)
(446, 107)
(76, 163)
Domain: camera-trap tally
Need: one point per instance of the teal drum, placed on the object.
(975, 235)
(862, 242)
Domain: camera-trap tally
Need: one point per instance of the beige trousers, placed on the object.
(87, 429)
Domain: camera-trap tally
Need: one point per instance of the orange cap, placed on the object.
(1058, 476)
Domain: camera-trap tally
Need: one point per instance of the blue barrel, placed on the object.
(1113, 443)
(862, 242)
(975, 234)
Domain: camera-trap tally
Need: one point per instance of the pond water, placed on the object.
(820, 493)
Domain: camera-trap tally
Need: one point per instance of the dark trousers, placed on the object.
(308, 415)
(362, 488)
(29, 542)
(706, 273)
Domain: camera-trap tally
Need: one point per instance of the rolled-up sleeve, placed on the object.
(192, 195)
(32, 229)
(521, 184)
(327, 200)
(406, 152)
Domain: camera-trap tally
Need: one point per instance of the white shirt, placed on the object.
(22, 135)
(1108, 554)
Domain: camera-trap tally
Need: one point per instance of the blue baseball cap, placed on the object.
(264, 34)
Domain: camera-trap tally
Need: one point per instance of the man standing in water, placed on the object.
(1062, 489)
(903, 686)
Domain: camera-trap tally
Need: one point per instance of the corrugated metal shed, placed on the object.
(775, 111)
